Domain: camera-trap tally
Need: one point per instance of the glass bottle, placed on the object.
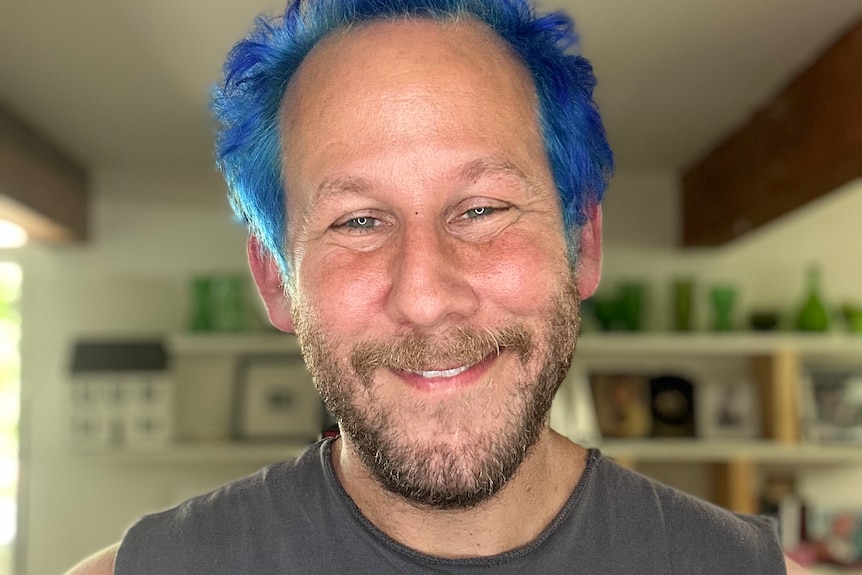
(813, 315)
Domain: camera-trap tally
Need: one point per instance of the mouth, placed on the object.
(431, 374)
(447, 380)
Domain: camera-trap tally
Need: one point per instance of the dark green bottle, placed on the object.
(813, 316)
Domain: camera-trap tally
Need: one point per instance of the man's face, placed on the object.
(431, 291)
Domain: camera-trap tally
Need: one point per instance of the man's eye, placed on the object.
(479, 212)
(360, 223)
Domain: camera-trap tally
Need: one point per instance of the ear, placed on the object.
(267, 277)
(589, 265)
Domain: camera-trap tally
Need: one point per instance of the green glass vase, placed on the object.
(813, 316)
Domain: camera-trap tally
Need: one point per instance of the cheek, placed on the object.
(345, 292)
(521, 273)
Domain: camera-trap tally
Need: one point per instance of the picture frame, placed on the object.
(836, 534)
(832, 405)
(727, 408)
(622, 404)
(673, 406)
(275, 400)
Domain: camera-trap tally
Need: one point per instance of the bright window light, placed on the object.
(12, 235)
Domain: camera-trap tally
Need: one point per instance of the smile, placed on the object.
(443, 373)
(444, 381)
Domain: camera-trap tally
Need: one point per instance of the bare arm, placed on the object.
(793, 568)
(101, 563)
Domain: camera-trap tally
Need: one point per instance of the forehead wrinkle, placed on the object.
(335, 186)
(492, 166)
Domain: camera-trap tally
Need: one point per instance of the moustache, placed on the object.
(418, 352)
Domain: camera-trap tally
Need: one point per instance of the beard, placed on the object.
(461, 463)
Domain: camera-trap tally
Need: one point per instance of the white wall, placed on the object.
(767, 266)
(152, 233)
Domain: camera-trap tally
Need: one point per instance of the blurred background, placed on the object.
(136, 371)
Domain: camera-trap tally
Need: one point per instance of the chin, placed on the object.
(454, 452)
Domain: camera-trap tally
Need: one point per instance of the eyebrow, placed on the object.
(335, 186)
(492, 166)
(340, 185)
(472, 171)
(475, 169)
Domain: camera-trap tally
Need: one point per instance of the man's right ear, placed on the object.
(267, 277)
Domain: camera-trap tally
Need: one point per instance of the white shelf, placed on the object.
(833, 570)
(648, 450)
(713, 451)
(200, 453)
(240, 343)
(694, 344)
(700, 344)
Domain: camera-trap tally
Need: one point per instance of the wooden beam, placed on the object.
(735, 486)
(778, 378)
(803, 144)
(41, 188)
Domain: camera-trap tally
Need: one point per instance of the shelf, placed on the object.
(241, 343)
(694, 344)
(700, 344)
(199, 453)
(648, 450)
(713, 451)
(833, 570)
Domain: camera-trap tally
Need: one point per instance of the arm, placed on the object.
(101, 563)
(793, 568)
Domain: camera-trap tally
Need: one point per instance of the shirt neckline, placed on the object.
(593, 457)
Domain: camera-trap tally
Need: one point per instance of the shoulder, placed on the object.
(255, 495)
(222, 525)
(696, 534)
(101, 563)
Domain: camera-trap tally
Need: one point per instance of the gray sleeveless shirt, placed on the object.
(295, 517)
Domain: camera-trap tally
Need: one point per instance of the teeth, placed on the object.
(444, 373)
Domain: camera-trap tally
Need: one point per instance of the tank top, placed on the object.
(295, 517)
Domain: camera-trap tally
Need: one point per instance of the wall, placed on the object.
(152, 232)
(767, 266)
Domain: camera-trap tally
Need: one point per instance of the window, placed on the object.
(10, 391)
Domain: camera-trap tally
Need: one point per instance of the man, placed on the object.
(422, 180)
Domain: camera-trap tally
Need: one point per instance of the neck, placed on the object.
(513, 518)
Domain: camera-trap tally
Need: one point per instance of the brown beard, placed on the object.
(437, 475)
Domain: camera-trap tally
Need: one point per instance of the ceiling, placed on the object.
(125, 84)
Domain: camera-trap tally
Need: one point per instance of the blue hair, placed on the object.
(255, 76)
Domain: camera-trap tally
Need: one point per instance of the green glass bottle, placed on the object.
(813, 316)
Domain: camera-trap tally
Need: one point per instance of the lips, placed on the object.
(447, 380)
(442, 373)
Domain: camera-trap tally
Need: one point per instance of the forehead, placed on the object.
(463, 42)
(409, 75)
(389, 48)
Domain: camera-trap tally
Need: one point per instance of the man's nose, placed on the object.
(430, 284)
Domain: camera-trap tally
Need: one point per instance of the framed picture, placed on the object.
(275, 400)
(672, 402)
(622, 404)
(832, 402)
(836, 535)
(727, 408)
